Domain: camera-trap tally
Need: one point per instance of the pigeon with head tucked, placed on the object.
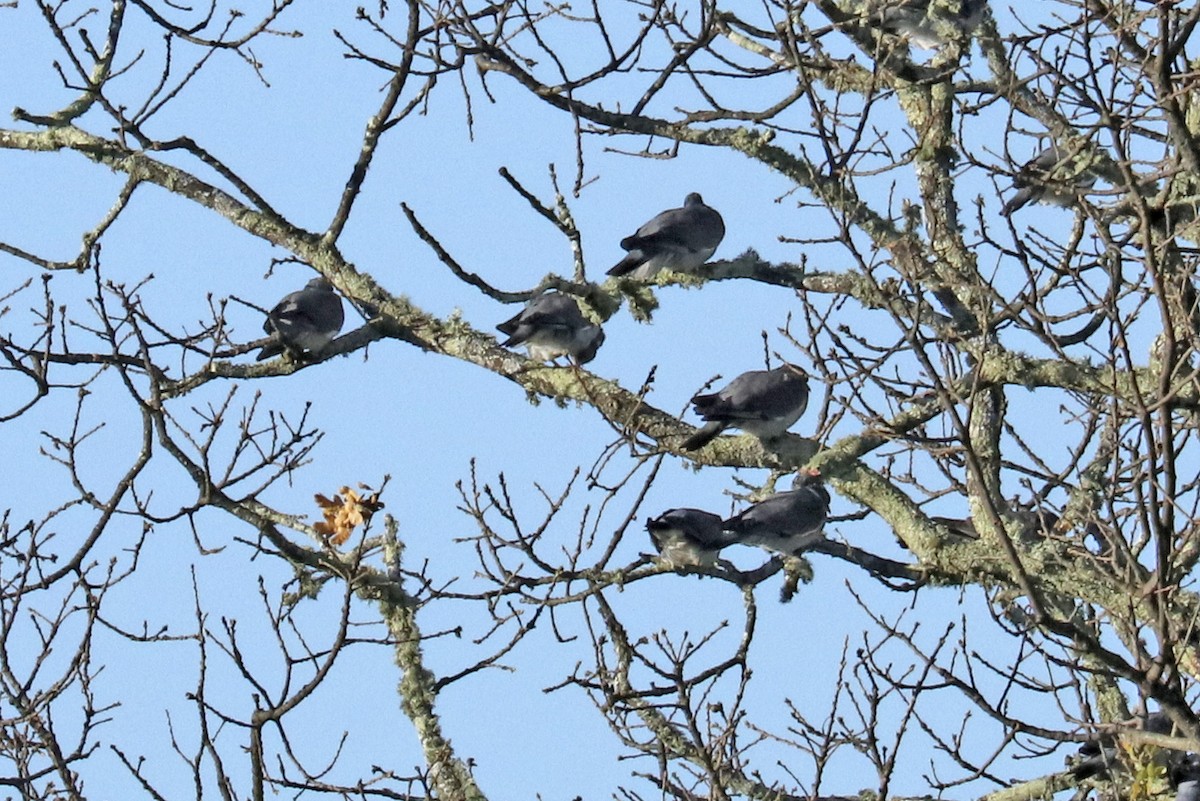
(914, 20)
(764, 403)
(786, 522)
(678, 239)
(551, 326)
(305, 321)
(1047, 178)
(688, 537)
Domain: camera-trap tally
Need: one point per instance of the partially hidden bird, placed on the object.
(786, 522)
(1049, 178)
(688, 537)
(914, 20)
(305, 321)
(1100, 755)
(552, 326)
(677, 239)
(1186, 778)
(764, 403)
(1035, 524)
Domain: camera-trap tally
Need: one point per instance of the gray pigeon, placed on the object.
(304, 321)
(912, 19)
(551, 326)
(1044, 179)
(1092, 759)
(1036, 524)
(1186, 777)
(786, 522)
(688, 537)
(764, 403)
(678, 239)
(1100, 755)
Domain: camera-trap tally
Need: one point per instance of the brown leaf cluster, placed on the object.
(344, 511)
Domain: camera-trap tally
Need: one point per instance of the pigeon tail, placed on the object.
(307, 350)
(628, 264)
(515, 338)
(517, 327)
(269, 351)
(1023, 197)
(703, 436)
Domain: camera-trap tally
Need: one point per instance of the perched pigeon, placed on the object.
(1186, 777)
(1092, 759)
(304, 321)
(678, 239)
(1099, 755)
(913, 20)
(787, 521)
(764, 403)
(1036, 524)
(1044, 179)
(688, 537)
(551, 326)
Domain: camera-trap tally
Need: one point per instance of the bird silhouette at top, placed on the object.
(913, 20)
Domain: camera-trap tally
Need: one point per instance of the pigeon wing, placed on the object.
(756, 395)
(693, 228)
(551, 312)
(785, 514)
